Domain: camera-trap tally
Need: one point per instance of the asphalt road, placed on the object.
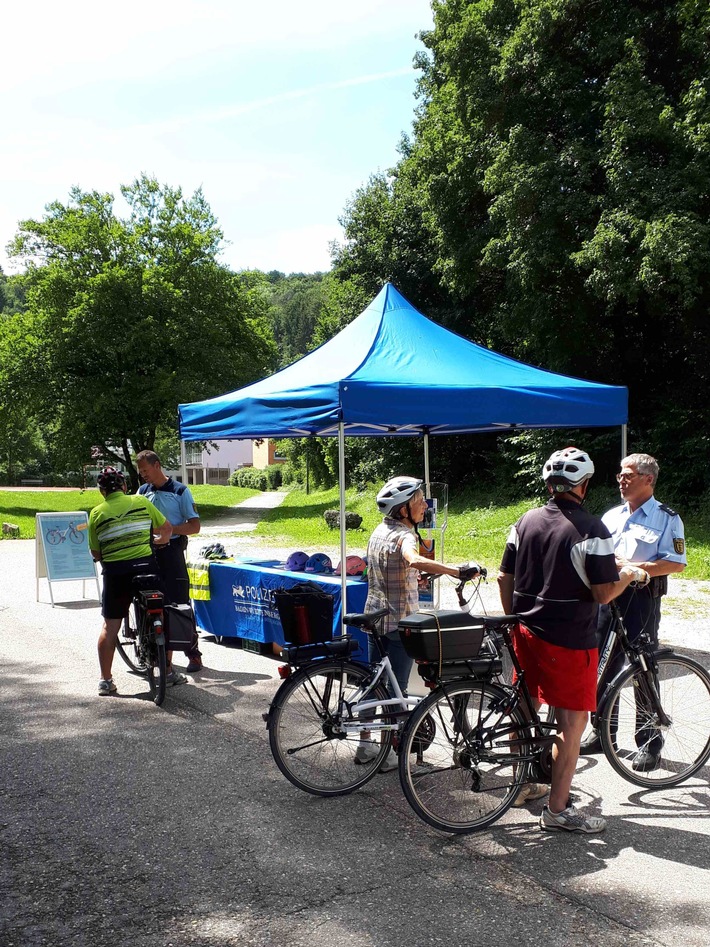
(126, 824)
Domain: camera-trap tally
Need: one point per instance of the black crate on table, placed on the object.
(306, 613)
(441, 635)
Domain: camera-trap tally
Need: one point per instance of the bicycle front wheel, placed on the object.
(630, 722)
(472, 771)
(306, 729)
(127, 644)
(157, 671)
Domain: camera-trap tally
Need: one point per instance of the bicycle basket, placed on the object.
(441, 635)
(306, 613)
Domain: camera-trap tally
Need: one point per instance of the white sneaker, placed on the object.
(530, 792)
(366, 752)
(571, 820)
(391, 762)
(106, 688)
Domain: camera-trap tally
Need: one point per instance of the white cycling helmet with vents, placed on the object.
(396, 492)
(566, 469)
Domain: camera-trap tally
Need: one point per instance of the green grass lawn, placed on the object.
(477, 527)
(19, 507)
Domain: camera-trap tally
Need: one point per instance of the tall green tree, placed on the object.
(559, 166)
(128, 317)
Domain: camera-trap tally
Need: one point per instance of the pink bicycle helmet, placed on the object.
(354, 565)
(296, 562)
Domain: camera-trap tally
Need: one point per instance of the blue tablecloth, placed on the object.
(242, 603)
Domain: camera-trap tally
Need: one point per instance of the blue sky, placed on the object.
(280, 111)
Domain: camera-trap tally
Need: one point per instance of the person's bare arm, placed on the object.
(162, 534)
(422, 564)
(506, 587)
(657, 567)
(608, 591)
(188, 528)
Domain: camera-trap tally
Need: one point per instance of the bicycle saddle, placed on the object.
(366, 621)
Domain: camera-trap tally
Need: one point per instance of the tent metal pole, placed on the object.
(426, 462)
(624, 444)
(343, 570)
(183, 462)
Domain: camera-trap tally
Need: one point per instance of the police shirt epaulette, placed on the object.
(667, 509)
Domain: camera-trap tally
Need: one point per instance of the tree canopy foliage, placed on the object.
(554, 199)
(126, 317)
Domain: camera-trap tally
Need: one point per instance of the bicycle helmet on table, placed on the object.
(110, 480)
(296, 562)
(319, 563)
(354, 565)
(396, 492)
(566, 469)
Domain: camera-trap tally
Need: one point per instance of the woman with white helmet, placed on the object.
(394, 564)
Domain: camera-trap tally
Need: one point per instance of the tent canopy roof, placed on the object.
(393, 371)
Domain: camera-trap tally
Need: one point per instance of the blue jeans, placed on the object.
(400, 660)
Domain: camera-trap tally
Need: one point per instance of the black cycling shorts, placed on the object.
(118, 590)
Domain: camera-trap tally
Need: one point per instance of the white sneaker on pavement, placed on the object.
(530, 792)
(571, 820)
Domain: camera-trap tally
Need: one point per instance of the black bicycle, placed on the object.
(658, 702)
(141, 639)
(489, 739)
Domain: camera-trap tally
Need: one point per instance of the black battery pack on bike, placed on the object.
(151, 601)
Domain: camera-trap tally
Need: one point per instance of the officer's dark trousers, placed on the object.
(176, 584)
(641, 612)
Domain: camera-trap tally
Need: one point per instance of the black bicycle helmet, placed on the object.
(110, 480)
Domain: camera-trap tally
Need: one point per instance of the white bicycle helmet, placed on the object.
(566, 469)
(396, 492)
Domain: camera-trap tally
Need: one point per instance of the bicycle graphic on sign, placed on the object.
(56, 536)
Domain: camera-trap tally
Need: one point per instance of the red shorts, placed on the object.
(560, 677)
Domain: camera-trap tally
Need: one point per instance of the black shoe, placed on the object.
(645, 761)
(591, 745)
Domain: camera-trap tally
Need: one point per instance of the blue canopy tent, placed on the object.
(394, 372)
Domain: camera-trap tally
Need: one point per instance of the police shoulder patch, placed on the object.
(679, 546)
(667, 509)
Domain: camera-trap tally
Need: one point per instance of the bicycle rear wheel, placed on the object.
(157, 671)
(630, 721)
(306, 733)
(472, 772)
(127, 643)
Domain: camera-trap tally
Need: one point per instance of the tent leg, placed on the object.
(183, 462)
(343, 570)
(624, 445)
(426, 462)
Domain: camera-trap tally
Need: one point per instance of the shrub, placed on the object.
(270, 478)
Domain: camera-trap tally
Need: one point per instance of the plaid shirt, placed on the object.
(391, 582)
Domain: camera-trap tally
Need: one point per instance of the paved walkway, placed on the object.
(244, 516)
(127, 824)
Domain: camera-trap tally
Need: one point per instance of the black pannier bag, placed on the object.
(306, 613)
(441, 635)
(180, 628)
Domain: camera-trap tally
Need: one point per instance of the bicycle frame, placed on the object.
(387, 707)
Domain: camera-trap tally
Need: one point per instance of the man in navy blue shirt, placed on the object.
(175, 502)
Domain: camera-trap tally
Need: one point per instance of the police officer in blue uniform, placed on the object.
(175, 502)
(649, 535)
